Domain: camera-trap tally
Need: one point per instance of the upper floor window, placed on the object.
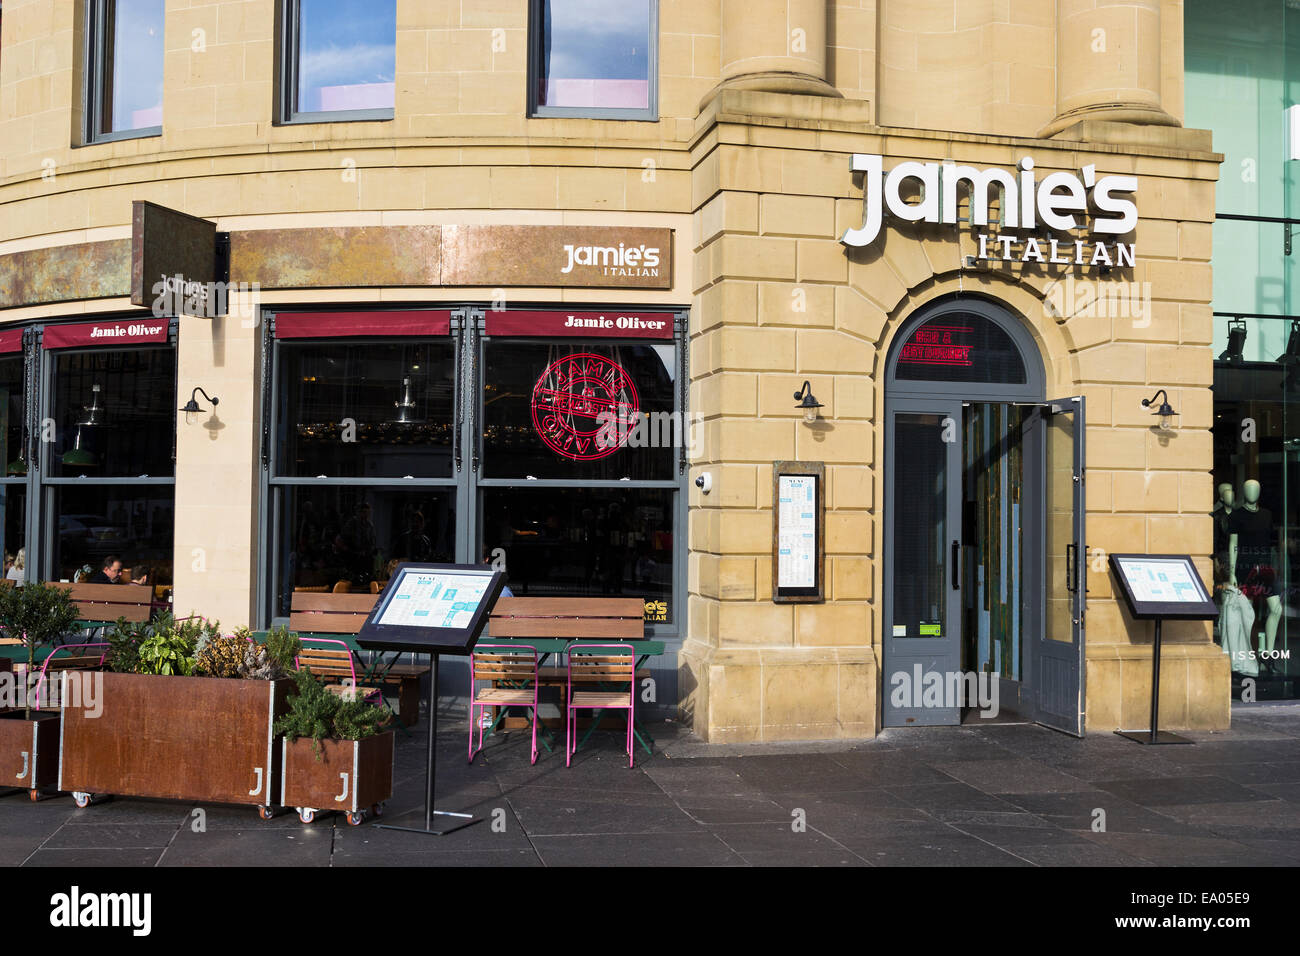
(339, 60)
(595, 59)
(124, 69)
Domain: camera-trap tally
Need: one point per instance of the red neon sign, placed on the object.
(585, 406)
(934, 345)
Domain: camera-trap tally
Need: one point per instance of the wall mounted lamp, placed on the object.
(807, 403)
(193, 406)
(1165, 411)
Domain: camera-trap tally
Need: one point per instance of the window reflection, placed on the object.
(580, 409)
(92, 523)
(595, 54)
(346, 55)
(133, 65)
(114, 413)
(372, 410)
(349, 539)
(1254, 510)
(590, 542)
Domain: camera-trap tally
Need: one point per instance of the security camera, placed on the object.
(704, 482)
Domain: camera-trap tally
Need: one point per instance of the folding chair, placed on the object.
(602, 669)
(503, 663)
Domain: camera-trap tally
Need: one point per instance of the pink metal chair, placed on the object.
(591, 667)
(85, 661)
(501, 664)
(326, 663)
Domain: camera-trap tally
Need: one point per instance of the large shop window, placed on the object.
(362, 472)
(108, 478)
(594, 59)
(583, 441)
(13, 482)
(463, 436)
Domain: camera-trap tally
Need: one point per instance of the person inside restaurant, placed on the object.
(111, 573)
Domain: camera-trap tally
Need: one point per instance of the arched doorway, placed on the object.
(983, 575)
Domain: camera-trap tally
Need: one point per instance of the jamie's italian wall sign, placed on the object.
(1036, 213)
(489, 256)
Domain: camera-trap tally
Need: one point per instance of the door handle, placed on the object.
(1070, 559)
(956, 565)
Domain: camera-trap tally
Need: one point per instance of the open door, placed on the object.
(1058, 651)
(922, 639)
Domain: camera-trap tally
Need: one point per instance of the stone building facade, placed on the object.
(762, 106)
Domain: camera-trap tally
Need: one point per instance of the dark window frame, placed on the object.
(288, 34)
(97, 88)
(43, 508)
(537, 111)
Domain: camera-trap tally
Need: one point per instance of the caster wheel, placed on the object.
(265, 813)
(82, 800)
(306, 815)
(377, 809)
(34, 794)
(354, 819)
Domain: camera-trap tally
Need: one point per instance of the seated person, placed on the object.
(111, 572)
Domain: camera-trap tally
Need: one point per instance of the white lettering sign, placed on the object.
(1059, 201)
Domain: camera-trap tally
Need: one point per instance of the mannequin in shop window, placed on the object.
(1225, 503)
(1251, 564)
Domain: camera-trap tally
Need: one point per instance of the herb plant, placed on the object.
(36, 614)
(317, 713)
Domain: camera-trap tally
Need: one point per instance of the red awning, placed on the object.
(612, 323)
(112, 332)
(313, 325)
(11, 340)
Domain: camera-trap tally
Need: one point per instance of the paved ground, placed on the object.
(1007, 795)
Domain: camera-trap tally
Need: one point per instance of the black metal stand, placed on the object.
(462, 819)
(1155, 735)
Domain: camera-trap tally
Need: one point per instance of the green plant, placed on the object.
(36, 614)
(317, 713)
(283, 647)
(124, 640)
(167, 652)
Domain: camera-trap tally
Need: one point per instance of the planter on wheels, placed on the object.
(350, 776)
(29, 751)
(179, 738)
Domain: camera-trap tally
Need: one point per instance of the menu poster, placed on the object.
(798, 550)
(432, 599)
(1162, 586)
(437, 608)
(1162, 580)
(797, 538)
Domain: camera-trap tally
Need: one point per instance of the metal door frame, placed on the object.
(903, 395)
(1074, 725)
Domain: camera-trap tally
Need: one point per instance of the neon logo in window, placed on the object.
(574, 400)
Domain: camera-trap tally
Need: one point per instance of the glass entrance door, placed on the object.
(923, 575)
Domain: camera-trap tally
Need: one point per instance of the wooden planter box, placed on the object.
(351, 776)
(179, 738)
(29, 751)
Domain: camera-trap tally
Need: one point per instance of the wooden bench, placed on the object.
(327, 615)
(591, 620)
(101, 604)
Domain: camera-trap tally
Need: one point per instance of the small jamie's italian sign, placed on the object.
(123, 332)
(614, 324)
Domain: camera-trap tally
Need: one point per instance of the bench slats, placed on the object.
(584, 628)
(569, 607)
(108, 602)
(349, 603)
